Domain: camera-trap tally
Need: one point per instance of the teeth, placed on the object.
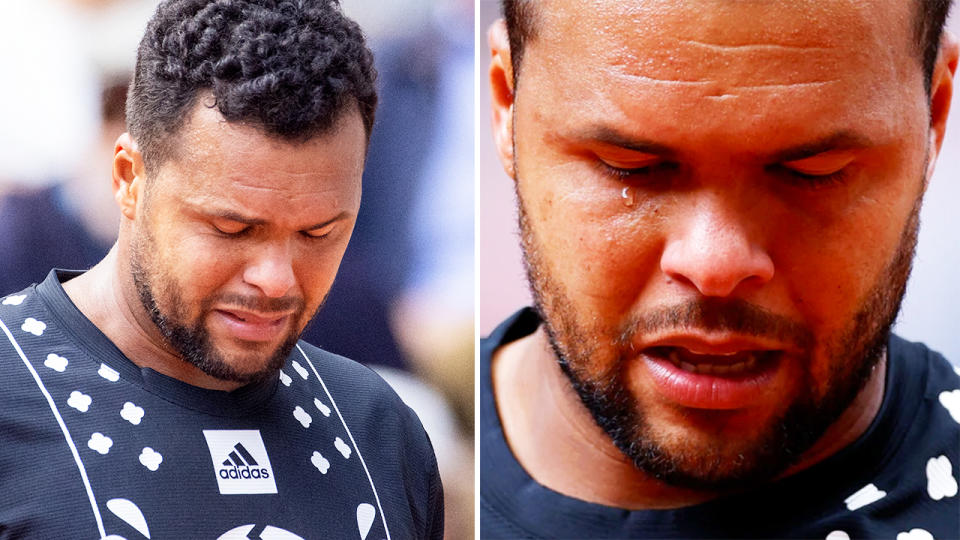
(714, 354)
(707, 368)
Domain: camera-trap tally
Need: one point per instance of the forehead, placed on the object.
(660, 38)
(238, 165)
(715, 63)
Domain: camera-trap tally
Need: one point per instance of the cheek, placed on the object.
(200, 264)
(600, 250)
(316, 268)
(315, 279)
(831, 265)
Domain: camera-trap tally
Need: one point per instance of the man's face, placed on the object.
(239, 238)
(718, 209)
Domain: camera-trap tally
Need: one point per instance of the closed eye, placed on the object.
(644, 173)
(804, 180)
(819, 170)
(231, 229)
(319, 232)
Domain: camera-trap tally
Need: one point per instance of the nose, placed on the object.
(271, 270)
(715, 251)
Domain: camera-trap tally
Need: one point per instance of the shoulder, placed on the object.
(18, 307)
(933, 370)
(361, 396)
(395, 445)
(356, 382)
(521, 324)
(928, 390)
(920, 422)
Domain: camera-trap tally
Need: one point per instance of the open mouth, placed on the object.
(723, 365)
(246, 326)
(722, 373)
(254, 319)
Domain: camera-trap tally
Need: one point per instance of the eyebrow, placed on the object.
(612, 137)
(840, 140)
(239, 218)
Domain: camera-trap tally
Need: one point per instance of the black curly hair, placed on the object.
(287, 67)
(929, 18)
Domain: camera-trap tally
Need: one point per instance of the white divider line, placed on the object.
(352, 441)
(63, 428)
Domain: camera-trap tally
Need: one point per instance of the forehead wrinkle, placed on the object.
(790, 43)
(708, 83)
(738, 47)
(284, 181)
(733, 67)
(860, 79)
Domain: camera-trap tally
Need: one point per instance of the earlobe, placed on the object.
(941, 93)
(502, 94)
(128, 175)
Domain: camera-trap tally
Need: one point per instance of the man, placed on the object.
(718, 209)
(164, 393)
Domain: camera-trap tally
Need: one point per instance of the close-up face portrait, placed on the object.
(239, 240)
(718, 188)
(247, 167)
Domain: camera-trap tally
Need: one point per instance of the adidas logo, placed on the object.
(239, 465)
(240, 461)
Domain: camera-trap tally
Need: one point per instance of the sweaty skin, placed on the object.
(715, 117)
(239, 237)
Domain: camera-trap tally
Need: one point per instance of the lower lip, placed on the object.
(251, 331)
(702, 391)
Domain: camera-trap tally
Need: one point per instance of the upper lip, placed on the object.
(714, 344)
(256, 316)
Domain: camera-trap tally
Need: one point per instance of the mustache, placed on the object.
(732, 315)
(261, 304)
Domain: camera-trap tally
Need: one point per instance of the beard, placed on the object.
(190, 338)
(726, 464)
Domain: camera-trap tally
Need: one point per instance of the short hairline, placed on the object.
(171, 149)
(163, 98)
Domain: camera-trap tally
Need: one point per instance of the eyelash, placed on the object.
(812, 181)
(791, 176)
(238, 234)
(245, 231)
(623, 175)
(311, 237)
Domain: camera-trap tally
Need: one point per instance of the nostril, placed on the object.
(715, 268)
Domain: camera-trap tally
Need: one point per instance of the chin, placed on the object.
(242, 362)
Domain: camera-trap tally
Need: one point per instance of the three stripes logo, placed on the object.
(240, 464)
(240, 461)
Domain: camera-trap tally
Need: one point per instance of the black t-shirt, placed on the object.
(92, 446)
(898, 480)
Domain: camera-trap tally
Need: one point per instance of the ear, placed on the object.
(129, 175)
(941, 93)
(502, 95)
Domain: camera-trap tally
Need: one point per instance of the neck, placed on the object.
(106, 295)
(556, 440)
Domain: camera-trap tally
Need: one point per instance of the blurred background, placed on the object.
(403, 299)
(931, 308)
